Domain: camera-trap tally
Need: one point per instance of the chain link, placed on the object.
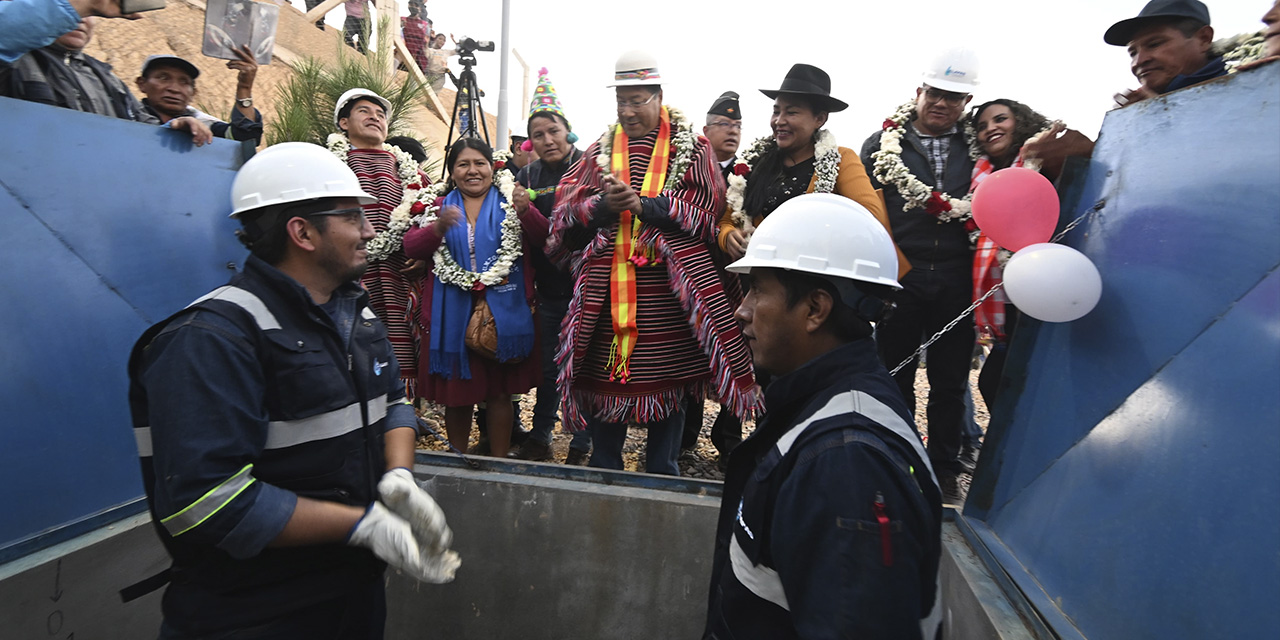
(963, 314)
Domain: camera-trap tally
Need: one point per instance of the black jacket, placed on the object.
(48, 76)
(543, 178)
(830, 522)
(252, 391)
(926, 243)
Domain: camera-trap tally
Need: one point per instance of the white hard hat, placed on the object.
(352, 94)
(636, 68)
(826, 235)
(953, 70)
(293, 172)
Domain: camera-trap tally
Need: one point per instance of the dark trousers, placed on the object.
(726, 431)
(927, 302)
(358, 615)
(311, 4)
(352, 28)
(551, 311)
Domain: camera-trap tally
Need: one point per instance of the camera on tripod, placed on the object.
(468, 45)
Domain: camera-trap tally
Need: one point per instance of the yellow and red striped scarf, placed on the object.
(622, 272)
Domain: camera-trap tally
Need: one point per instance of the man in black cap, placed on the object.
(1168, 46)
(169, 84)
(63, 75)
(724, 130)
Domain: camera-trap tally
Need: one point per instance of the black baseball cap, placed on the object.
(169, 61)
(1122, 32)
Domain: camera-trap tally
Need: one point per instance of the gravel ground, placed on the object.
(701, 463)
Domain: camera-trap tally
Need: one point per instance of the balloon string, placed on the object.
(1000, 285)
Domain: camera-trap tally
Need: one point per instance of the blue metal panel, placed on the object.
(110, 226)
(1133, 473)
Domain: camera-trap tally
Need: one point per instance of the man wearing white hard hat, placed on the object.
(830, 524)
(273, 432)
(362, 118)
(920, 157)
(649, 323)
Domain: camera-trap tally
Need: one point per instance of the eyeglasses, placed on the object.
(949, 97)
(634, 106)
(353, 214)
(730, 126)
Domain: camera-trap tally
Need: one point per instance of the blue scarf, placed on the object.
(451, 305)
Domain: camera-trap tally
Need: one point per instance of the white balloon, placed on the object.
(1052, 282)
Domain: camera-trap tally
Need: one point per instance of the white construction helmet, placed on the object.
(826, 235)
(953, 70)
(352, 94)
(293, 172)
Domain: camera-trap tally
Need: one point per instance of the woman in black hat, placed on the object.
(800, 157)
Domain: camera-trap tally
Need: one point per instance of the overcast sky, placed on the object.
(1049, 55)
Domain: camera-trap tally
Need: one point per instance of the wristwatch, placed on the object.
(245, 102)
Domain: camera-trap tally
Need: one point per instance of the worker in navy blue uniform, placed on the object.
(273, 431)
(830, 524)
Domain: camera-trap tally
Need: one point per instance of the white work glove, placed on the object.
(392, 540)
(403, 496)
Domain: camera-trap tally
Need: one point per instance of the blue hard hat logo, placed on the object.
(953, 72)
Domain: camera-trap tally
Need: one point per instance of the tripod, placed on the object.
(466, 105)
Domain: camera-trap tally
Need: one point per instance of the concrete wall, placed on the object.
(548, 552)
(70, 590)
(565, 556)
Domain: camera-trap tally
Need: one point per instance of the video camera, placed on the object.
(468, 45)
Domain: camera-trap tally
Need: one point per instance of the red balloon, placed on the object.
(1016, 207)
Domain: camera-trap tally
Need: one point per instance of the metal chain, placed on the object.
(951, 325)
(470, 463)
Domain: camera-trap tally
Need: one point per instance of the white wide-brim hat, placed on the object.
(636, 68)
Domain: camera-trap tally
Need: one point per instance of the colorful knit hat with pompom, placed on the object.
(544, 97)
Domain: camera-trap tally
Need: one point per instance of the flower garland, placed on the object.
(1240, 50)
(389, 240)
(826, 166)
(890, 170)
(509, 250)
(682, 141)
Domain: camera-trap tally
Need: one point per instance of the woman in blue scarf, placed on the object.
(469, 228)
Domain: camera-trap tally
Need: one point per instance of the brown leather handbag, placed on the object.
(482, 331)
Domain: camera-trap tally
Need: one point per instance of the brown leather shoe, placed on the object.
(530, 450)
(577, 457)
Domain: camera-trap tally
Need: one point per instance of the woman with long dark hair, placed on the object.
(478, 239)
(1002, 126)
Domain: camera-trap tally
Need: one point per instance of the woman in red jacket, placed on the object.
(478, 238)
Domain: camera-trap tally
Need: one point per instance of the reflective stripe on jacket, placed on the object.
(830, 521)
(242, 402)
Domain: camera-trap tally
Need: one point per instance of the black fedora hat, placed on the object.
(808, 80)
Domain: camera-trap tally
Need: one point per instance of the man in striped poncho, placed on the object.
(649, 323)
(392, 281)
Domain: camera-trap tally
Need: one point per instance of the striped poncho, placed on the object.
(688, 341)
(393, 296)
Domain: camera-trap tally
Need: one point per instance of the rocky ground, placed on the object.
(700, 463)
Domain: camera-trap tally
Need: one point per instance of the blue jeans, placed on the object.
(551, 311)
(663, 444)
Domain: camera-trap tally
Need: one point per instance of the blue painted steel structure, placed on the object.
(1130, 484)
(109, 227)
